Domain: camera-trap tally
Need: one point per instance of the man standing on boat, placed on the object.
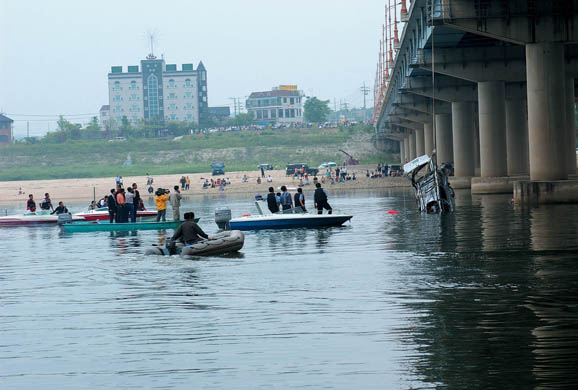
(175, 201)
(272, 203)
(286, 202)
(46, 203)
(299, 200)
(111, 204)
(161, 203)
(320, 200)
(61, 209)
(31, 204)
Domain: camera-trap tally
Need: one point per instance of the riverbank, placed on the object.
(86, 189)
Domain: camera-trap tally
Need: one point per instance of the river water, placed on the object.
(483, 299)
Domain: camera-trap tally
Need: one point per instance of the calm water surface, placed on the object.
(486, 298)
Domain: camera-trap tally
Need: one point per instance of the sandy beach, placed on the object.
(84, 189)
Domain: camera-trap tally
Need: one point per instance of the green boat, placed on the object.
(105, 226)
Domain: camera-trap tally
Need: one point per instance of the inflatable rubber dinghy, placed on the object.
(220, 243)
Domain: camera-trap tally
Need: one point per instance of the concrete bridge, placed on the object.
(490, 86)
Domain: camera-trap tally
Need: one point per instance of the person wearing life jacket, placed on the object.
(320, 200)
(299, 200)
(286, 202)
(272, 203)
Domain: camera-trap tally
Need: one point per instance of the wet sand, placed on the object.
(85, 189)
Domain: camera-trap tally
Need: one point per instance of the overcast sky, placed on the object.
(55, 55)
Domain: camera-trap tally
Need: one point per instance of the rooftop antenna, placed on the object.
(151, 37)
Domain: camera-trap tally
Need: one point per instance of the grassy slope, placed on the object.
(240, 151)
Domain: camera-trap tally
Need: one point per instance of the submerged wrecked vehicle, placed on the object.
(432, 188)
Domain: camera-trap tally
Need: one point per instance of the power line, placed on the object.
(53, 115)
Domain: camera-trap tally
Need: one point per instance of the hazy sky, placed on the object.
(55, 55)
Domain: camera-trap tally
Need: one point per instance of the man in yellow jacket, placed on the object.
(161, 197)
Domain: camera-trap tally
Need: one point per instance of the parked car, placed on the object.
(290, 169)
(266, 167)
(218, 168)
(326, 165)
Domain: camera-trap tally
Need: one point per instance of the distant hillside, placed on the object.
(190, 154)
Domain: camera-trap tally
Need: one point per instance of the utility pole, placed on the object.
(365, 92)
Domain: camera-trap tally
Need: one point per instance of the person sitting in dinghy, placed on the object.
(61, 209)
(189, 232)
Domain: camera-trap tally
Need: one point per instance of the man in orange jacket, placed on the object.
(161, 197)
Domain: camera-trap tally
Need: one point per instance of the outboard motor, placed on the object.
(222, 217)
(64, 218)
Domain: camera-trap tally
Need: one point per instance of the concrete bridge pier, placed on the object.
(463, 138)
(444, 138)
(570, 126)
(493, 151)
(428, 138)
(402, 151)
(548, 128)
(412, 149)
(406, 148)
(419, 143)
(517, 137)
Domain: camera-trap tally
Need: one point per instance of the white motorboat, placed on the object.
(36, 218)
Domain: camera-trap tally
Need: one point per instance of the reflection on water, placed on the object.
(485, 298)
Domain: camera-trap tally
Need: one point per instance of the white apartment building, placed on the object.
(157, 91)
(282, 104)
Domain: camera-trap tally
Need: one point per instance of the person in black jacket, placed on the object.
(61, 209)
(320, 200)
(272, 203)
(189, 232)
(111, 203)
(299, 200)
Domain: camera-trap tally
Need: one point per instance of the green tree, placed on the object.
(241, 120)
(316, 110)
(92, 131)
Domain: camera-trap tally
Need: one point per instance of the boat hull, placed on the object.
(220, 243)
(31, 219)
(98, 215)
(96, 226)
(289, 221)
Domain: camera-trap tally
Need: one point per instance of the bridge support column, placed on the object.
(428, 138)
(401, 151)
(412, 149)
(463, 138)
(570, 126)
(492, 114)
(476, 141)
(419, 143)
(517, 137)
(444, 138)
(546, 84)
(406, 149)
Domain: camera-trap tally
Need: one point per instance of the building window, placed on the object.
(117, 86)
(117, 109)
(265, 114)
(188, 83)
(292, 112)
(171, 83)
(273, 114)
(172, 95)
(189, 106)
(173, 117)
(284, 100)
(153, 96)
(259, 114)
(172, 106)
(134, 118)
(188, 95)
(287, 113)
(116, 98)
(133, 84)
(280, 113)
(292, 101)
(190, 117)
(203, 76)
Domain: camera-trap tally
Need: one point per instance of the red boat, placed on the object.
(101, 214)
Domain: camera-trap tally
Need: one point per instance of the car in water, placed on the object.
(290, 169)
(394, 170)
(218, 168)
